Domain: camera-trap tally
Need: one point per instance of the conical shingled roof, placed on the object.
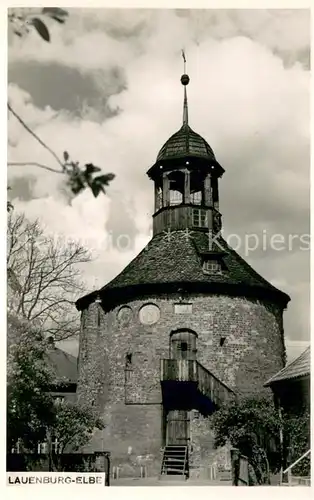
(185, 143)
(176, 259)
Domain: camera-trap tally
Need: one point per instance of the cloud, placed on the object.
(248, 96)
(83, 94)
(295, 348)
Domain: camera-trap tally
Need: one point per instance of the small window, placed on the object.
(128, 359)
(211, 266)
(176, 187)
(196, 198)
(176, 197)
(222, 341)
(184, 347)
(159, 198)
(199, 218)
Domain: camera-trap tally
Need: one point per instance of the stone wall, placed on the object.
(119, 361)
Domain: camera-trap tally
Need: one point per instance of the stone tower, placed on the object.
(185, 326)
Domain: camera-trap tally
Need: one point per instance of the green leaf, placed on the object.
(55, 17)
(90, 169)
(41, 28)
(55, 11)
(77, 186)
(96, 188)
(76, 189)
(58, 19)
(76, 182)
(104, 179)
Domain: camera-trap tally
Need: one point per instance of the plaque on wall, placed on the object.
(124, 315)
(183, 308)
(149, 314)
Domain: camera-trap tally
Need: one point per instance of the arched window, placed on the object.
(158, 198)
(176, 187)
(196, 188)
(183, 344)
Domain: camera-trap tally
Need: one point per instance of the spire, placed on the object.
(185, 80)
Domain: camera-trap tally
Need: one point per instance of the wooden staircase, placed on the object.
(175, 462)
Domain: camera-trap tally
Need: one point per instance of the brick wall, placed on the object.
(130, 400)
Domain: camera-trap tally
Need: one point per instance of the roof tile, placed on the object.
(183, 143)
(63, 364)
(300, 367)
(177, 257)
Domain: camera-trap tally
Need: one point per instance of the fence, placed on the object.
(239, 468)
(212, 472)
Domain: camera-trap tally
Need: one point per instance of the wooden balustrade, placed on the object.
(184, 370)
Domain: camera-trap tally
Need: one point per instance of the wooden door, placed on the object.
(178, 428)
(183, 345)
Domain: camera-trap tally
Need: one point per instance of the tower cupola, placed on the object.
(186, 176)
(192, 257)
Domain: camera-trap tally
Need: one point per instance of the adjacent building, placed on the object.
(292, 392)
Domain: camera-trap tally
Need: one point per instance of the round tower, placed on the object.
(186, 326)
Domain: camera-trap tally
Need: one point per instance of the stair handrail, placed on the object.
(214, 377)
(297, 461)
(289, 469)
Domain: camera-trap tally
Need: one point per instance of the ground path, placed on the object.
(154, 481)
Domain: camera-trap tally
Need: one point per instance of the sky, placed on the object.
(107, 90)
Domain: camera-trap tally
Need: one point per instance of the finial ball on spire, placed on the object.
(185, 79)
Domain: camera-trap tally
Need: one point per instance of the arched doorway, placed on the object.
(183, 344)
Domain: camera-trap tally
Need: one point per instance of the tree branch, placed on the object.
(33, 164)
(48, 278)
(52, 305)
(30, 131)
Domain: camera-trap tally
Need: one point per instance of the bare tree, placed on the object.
(48, 275)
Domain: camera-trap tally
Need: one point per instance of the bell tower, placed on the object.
(186, 176)
(185, 326)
